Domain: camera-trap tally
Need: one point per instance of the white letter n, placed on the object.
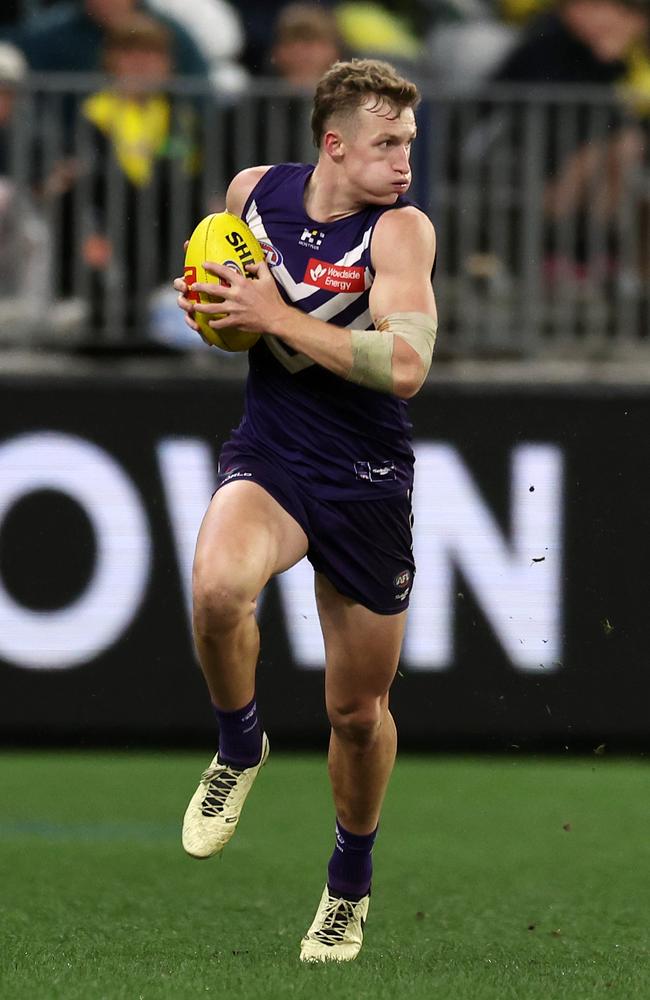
(516, 582)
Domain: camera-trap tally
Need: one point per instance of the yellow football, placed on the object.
(224, 239)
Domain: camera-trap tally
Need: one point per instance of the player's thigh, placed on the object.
(362, 649)
(245, 538)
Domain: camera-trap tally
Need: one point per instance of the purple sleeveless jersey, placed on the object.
(342, 441)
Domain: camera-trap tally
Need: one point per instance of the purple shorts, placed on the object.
(363, 547)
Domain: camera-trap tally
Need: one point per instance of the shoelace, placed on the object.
(219, 782)
(337, 916)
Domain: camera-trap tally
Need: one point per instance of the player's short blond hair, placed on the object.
(346, 85)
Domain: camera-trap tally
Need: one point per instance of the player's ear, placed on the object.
(333, 144)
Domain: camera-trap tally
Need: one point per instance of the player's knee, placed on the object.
(356, 724)
(219, 603)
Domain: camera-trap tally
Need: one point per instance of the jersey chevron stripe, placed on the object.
(345, 309)
(352, 256)
(336, 305)
(298, 291)
(298, 362)
(292, 362)
(295, 290)
(322, 431)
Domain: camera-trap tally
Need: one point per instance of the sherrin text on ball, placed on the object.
(222, 238)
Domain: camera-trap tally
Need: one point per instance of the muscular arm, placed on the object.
(241, 186)
(403, 251)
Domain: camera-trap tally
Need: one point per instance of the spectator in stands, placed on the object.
(71, 36)
(259, 18)
(466, 41)
(374, 30)
(585, 42)
(366, 27)
(217, 29)
(579, 41)
(24, 272)
(637, 57)
(309, 37)
(145, 147)
(307, 42)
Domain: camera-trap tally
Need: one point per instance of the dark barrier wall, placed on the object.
(529, 618)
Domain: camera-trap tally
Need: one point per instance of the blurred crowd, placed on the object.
(139, 46)
(458, 42)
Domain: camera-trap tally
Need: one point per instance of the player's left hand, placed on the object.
(247, 304)
(187, 305)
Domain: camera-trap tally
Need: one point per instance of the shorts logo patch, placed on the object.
(374, 473)
(228, 476)
(402, 579)
(334, 277)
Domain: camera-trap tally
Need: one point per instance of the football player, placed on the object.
(321, 464)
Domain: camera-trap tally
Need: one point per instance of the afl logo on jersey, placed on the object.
(272, 256)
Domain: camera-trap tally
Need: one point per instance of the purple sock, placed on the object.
(349, 872)
(240, 736)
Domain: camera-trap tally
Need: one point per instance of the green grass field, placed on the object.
(495, 878)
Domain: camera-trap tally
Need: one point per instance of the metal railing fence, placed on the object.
(541, 201)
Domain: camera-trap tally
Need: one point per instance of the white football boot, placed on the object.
(212, 816)
(336, 935)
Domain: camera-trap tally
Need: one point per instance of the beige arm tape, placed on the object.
(372, 350)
